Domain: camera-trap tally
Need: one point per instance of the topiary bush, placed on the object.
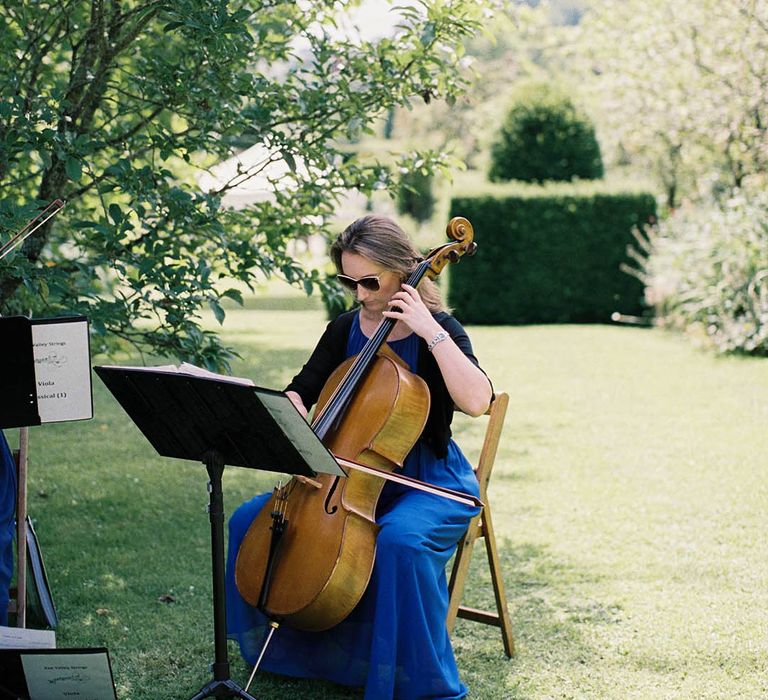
(706, 273)
(544, 137)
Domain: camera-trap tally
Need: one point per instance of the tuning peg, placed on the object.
(472, 248)
(453, 256)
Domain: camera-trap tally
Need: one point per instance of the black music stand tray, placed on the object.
(217, 421)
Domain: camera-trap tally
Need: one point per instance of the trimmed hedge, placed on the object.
(548, 257)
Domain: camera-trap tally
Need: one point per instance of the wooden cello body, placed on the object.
(327, 551)
(308, 555)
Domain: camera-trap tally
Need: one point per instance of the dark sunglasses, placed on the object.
(369, 282)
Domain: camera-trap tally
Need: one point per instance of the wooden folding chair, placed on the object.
(482, 526)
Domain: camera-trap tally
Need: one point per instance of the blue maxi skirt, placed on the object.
(395, 642)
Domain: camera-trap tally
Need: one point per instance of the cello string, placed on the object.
(367, 353)
(354, 375)
(340, 397)
(339, 400)
(342, 394)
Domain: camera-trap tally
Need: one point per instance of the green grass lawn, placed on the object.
(629, 495)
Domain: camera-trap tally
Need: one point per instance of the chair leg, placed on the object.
(498, 584)
(459, 572)
(482, 526)
(458, 578)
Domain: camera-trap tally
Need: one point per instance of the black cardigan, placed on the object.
(330, 353)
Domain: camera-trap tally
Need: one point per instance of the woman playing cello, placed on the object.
(394, 643)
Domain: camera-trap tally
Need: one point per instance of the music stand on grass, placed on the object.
(189, 413)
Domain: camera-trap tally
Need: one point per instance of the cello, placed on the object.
(308, 555)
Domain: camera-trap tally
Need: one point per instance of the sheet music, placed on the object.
(190, 370)
(26, 638)
(66, 675)
(195, 371)
(62, 359)
(286, 430)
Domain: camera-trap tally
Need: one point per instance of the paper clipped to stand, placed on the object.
(65, 675)
(62, 360)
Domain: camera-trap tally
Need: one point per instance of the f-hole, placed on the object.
(328, 507)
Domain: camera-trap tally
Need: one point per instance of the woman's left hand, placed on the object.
(408, 307)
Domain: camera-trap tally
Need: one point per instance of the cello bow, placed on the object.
(458, 496)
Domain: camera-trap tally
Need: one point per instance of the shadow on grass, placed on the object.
(137, 535)
(269, 685)
(110, 595)
(548, 615)
(548, 623)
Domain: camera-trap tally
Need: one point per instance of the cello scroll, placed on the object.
(460, 230)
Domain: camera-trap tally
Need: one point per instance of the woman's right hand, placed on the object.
(296, 401)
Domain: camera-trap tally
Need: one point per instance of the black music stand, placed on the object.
(19, 405)
(45, 373)
(218, 421)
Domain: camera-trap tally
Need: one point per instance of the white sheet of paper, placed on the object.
(25, 638)
(185, 368)
(195, 371)
(62, 370)
(68, 675)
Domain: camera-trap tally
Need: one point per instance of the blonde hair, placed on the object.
(382, 241)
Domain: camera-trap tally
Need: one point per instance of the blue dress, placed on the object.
(394, 643)
(7, 524)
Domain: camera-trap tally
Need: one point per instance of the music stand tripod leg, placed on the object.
(221, 686)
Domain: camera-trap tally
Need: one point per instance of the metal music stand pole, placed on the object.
(221, 685)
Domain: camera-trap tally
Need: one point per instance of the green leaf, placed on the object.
(115, 213)
(213, 102)
(74, 168)
(428, 35)
(290, 160)
(235, 295)
(218, 312)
